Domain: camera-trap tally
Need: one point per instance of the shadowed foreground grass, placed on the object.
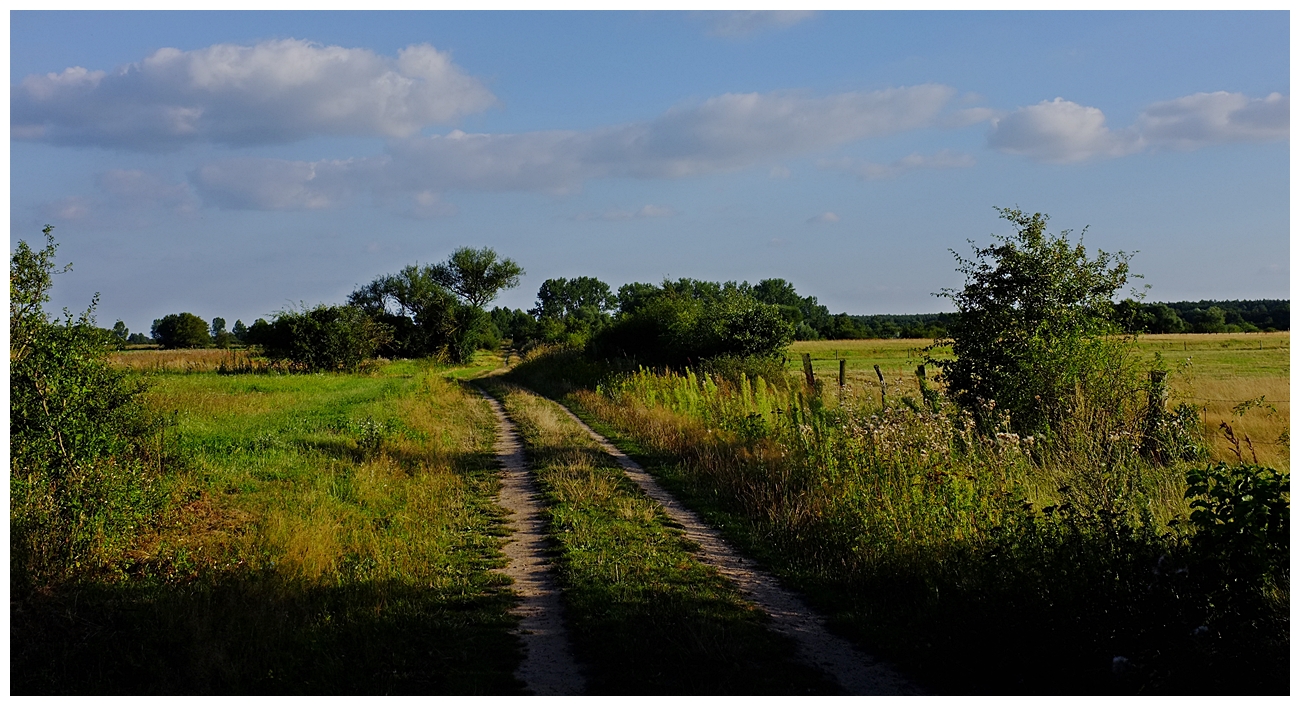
(645, 616)
(326, 534)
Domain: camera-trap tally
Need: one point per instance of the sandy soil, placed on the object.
(548, 667)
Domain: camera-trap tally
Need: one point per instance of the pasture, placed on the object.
(1216, 373)
(324, 534)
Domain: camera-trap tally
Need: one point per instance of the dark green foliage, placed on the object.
(436, 310)
(184, 330)
(1034, 326)
(138, 338)
(797, 310)
(515, 324)
(1242, 518)
(687, 321)
(1204, 316)
(120, 331)
(571, 311)
(325, 338)
(733, 367)
(476, 276)
(239, 331)
(79, 485)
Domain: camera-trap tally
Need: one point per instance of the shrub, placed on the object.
(688, 321)
(326, 338)
(1035, 328)
(79, 484)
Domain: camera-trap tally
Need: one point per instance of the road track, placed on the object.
(548, 667)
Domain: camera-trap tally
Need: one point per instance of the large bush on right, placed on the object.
(1034, 337)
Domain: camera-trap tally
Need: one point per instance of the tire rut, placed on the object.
(548, 667)
(856, 672)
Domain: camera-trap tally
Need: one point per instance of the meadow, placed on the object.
(1217, 373)
(337, 533)
(322, 534)
(981, 564)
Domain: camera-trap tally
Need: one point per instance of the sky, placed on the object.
(235, 164)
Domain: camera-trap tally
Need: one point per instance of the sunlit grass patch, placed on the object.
(328, 534)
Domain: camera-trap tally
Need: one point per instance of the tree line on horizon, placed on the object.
(571, 311)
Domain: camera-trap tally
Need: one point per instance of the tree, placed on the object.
(184, 330)
(1034, 325)
(121, 331)
(687, 321)
(572, 310)
(239, 331)
(221, 338)
(476, 276)
(324, 338)
(437, 310)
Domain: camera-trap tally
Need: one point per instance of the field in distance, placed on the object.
(1226, 370)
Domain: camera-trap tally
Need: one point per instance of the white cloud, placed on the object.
(778, 172)
(725, 133)
(827, 217)
(870, 171)
(746, 23)
(1203, 119)
(968, 116)
(277, 184)
(273, 92)
(69, 208)
(1060, 131)
(1063, 131)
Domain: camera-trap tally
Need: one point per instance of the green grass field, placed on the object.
(329, 534)
(1223, 371)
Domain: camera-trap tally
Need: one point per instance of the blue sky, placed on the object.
(233, 164)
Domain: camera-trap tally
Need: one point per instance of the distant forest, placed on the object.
(1205, 316)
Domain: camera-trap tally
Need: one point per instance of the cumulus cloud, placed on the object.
(272, 92)
(724, 133)
(1203, 119)
(1063, 131)
(827, 217)
(746, 23)
(870, 171)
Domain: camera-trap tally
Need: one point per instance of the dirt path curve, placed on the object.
(548, 667)
(856, 672)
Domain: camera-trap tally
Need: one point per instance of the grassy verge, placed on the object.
(931, 548)
(644, 614)
(326, 534)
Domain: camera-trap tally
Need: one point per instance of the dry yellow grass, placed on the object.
(199, 360)
(1222, 371)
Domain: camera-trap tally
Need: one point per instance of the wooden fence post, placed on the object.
(842, 362)
(882, 385)
(1158, 395)
(807, 370)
